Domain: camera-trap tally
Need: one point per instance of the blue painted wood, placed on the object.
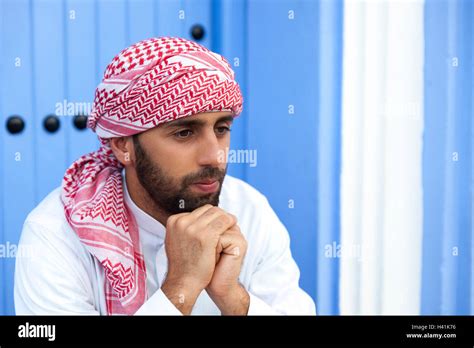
(81, 66)
(50, 156)
(198, 13)
(436, 63)
(111, 32)
(447, 158)
(328, 152)
(283, 119)
(2, 160)
(456, 271)
(18, 166)
(169, 20)
(141, 21)
(472, 180)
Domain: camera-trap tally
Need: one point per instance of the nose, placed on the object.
(209, 150)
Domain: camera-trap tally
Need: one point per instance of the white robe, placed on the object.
(55, 274)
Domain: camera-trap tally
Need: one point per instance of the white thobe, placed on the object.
(55, 273)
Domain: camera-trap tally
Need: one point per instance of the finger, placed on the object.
(218, 253)
(220, 223)
(215, 220)
(196, 213)
(186, 219)
(219, 247)
(235, 229)
(173, 218)
(232, 244)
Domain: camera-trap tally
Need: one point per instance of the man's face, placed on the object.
(180, 164)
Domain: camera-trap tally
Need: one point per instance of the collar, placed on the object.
(144, 220)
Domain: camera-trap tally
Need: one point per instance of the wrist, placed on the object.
(182, 293)
(235, 300)
(223, 291)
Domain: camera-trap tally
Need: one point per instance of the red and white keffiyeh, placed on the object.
(151, 82)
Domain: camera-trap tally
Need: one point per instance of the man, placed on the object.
(150, 223)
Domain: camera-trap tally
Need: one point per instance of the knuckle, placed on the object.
(233, 219)
(216, 224)
(190, 229)
(171, 220)
(225, 219)
(229, 219)
(181, 223)
(202, 240)
(241, 241)
(211, 211)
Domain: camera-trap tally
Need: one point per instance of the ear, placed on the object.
(122, 148)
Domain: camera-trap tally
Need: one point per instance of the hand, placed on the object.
(224, 288)
(192, 248)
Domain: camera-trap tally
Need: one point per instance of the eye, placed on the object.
(186, 133)
(222, 130)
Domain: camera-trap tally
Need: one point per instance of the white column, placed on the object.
(381, 197)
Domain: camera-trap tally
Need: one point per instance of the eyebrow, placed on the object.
(195, 122)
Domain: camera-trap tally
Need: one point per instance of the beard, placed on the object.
(171, 195)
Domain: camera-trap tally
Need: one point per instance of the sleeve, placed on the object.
(158, 304)
(274, 286)
(52, 278)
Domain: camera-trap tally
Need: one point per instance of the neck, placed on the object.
(142, 199)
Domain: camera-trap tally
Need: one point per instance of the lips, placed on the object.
(206, 182)
(210, 185)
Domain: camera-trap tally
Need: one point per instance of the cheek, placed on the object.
(224, 146)
(224, 142)
(176, 159)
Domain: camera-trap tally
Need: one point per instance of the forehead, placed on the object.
(201, 118)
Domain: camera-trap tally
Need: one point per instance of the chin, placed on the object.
(198, 200)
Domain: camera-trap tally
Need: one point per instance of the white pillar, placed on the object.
(382, 124)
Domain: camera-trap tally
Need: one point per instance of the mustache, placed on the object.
(208, 173)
